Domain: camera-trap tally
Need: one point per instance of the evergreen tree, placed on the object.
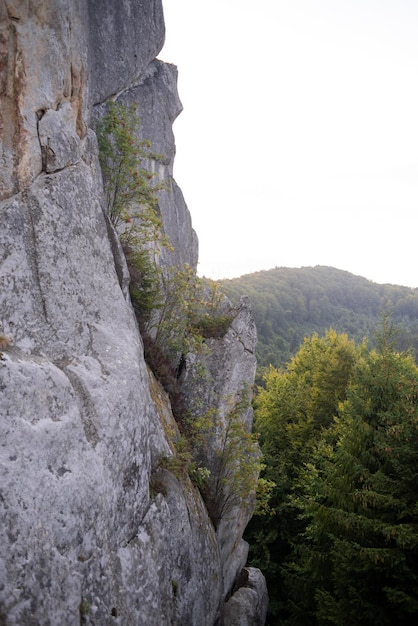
(291, 412)
(357, 560)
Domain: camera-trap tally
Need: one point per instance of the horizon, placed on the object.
(303, 267)
(298, 149)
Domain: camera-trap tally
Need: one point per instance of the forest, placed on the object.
(292, 303)
(336, 532)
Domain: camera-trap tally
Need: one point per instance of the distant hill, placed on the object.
(292, 303)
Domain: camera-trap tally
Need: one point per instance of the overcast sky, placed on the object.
(298, 142)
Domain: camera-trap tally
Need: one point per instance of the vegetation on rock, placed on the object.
(235, 458)
(175, 309)
(177, 313)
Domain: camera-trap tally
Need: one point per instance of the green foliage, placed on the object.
(236, 460)
(290, 304)
(226, 446)
(177, 314)
(291, 412)
(342, 547)
(84, 610)
(132, 202)
(182, 463)
(184, 314)
(129, 187)
(145, 286)
(209, 326)
(157, 484)
(176, 310)
(238, 463)
(296, 404)
(193, 310)
(264, 495)
(360, 548)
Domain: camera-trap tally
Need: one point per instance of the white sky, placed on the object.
(298, 143)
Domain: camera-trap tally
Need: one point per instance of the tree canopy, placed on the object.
(291, 411)
(292, 303)
(339, 432)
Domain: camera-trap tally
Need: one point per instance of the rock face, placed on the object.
(248, 605)
(221, 378)
(93, 530)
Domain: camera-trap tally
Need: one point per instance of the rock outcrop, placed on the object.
(93, 529)
(249, 602)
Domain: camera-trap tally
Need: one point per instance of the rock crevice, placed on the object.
(94, 529)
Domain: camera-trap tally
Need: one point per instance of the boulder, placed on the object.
(249, 602)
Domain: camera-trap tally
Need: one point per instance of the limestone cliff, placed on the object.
(85, 535)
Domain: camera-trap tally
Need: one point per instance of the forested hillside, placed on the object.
(292, 303)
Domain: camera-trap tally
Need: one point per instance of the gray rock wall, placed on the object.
(159, 105)
(84, 539)
(220, 377)
(249, 602)
(124, 38)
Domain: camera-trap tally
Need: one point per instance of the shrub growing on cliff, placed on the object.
(177, 313)
(130, 190)
(182, 463)
(192, 311)
(236, 460)
(176, 310)
(132, 200)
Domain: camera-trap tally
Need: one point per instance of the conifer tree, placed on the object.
(357, 561)
(291, 413)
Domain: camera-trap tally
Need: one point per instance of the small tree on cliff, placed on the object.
(130, 190)
(175, 309)
(227, 446)
(132, 201)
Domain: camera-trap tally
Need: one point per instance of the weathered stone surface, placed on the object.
(84, 426)
(125, 36)
(43, 61)
(158, 105)
(76, 413)
(80, 430)
(178, 226)
(60, 144)
(188, 557)
(47, 299)
(214, 382)
(229, 363)
(248, 605)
